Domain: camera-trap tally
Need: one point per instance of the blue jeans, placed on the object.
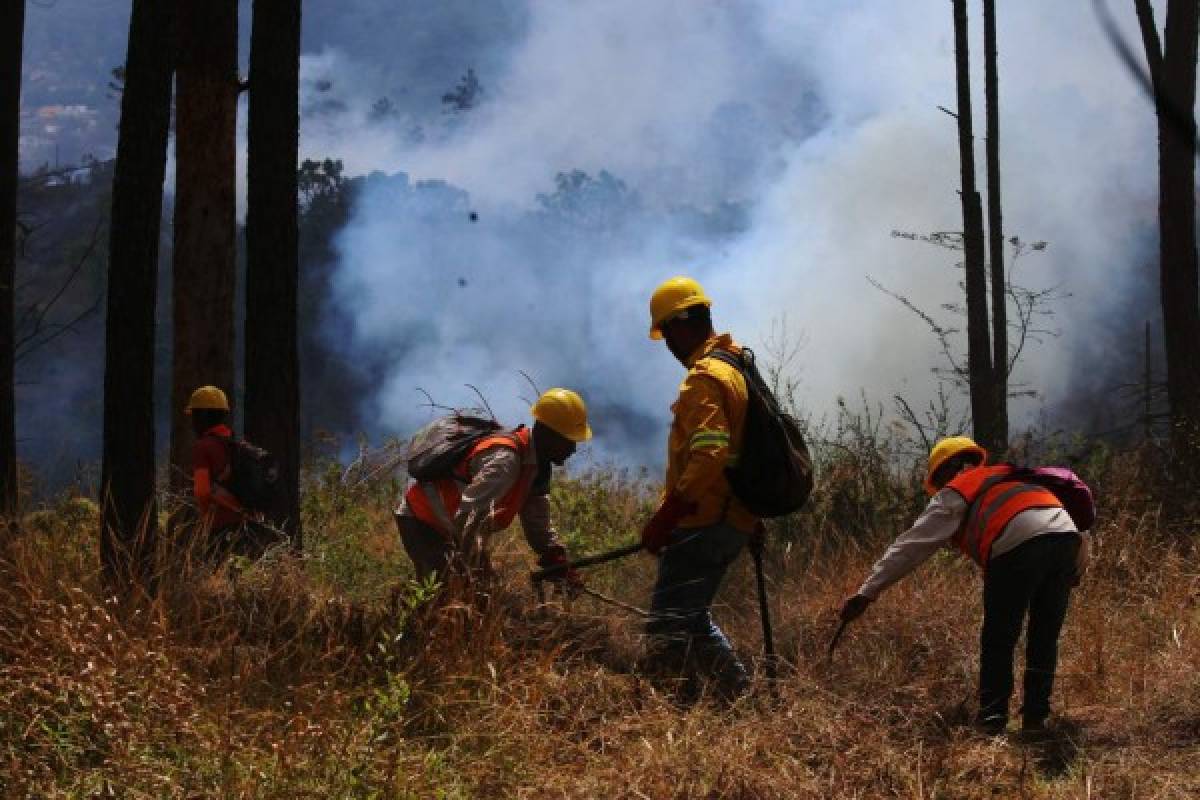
(681, 625)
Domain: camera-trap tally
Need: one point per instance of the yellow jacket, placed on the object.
(706, 436)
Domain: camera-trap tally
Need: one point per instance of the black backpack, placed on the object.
(773, 475)
(440, 446)
(254, 474)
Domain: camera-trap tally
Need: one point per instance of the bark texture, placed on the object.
(12, 32)
(272, 270)
(995, 226)
(203, 272)
(130, 521)
(1172, 63)
(979, 357)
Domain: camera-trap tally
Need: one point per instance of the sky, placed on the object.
(768, 147)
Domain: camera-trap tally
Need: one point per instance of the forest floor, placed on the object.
(328, 675)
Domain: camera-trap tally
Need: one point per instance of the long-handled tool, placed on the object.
(588, 561)
(833, 643)
(537, 577)
(764, 612)
(612, 601)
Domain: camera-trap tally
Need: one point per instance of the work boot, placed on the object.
(991, 725)
(729, 690)
(1036, 731)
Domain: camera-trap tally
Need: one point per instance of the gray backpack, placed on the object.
(440, 446)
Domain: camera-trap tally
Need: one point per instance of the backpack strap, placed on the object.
(723, 355)
(735, 361)
(744, 363)
(500, 438)
(231, 443)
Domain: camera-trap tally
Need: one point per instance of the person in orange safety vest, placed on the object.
(1030, 552)
(227, 525)
(447, 524)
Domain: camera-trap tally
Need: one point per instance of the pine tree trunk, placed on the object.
(204, 273)
(130, 523)
(979, 356)
(1177, 245)
(12, 31)
(996, 230)
(1173, 74)
(272, 363)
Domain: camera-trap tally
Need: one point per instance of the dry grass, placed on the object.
(327, 677)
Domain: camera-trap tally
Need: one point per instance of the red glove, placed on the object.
(659, 527)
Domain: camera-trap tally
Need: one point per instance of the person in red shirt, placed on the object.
(221, 514)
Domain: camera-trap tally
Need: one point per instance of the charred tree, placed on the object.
(995, 226)
(979, 357)
(203, 273)
(272, 406)
(1172, 63)
(12, 32)
(130, 519)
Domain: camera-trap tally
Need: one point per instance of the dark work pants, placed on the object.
(1032, 580)
(681, 626)
(426, 547)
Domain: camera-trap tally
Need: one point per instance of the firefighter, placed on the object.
(447, 524)
(1031, 555)
(700, 527)
(226, 524)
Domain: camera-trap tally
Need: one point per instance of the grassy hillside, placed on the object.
(326, 676)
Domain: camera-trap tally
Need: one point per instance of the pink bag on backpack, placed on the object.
(1069, 488)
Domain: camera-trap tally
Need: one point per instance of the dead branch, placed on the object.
(907, 413)
(35, 331)
(482, 399)
(943, 334)
(431, 404)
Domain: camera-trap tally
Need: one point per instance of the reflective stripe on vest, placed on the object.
(992, 502)
(436, 502)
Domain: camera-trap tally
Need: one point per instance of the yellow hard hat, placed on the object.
(563, 412)
(672, 296)
(207, 397)
(947, 449)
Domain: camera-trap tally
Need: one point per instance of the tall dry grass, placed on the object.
(330, 675)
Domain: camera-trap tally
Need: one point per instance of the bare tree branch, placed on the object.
(34, 332)
(943, 334)
(1151, 42)
(906, 411)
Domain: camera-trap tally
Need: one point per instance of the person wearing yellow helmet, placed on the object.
(221, 511)
(446, 519)
(700, 526)
(224, 485)
(1031, 553)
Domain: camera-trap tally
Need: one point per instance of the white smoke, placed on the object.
(817, 122)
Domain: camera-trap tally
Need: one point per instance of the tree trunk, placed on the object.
(272, 363)
(1173, 74)
(203, 274)
(12, 32)
(996, 229)
(1177, 217)
(130, 519)
(979, 357)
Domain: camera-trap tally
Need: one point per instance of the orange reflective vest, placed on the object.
(992, 502)
(436, 502)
